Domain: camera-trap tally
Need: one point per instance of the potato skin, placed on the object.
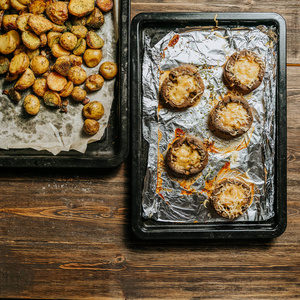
(56, 82)
(77, 75)
(22, 22)
(40, 87)
(39, 24)
(108, 70)
(4, 4)
(63, 65)
(94, 82)
(75, 60)
(94, 41)
(31, 105)
(58, 50)
(44, 40)
(19, 63)
(80, 47)
(81, 8)
(52, 99)
(30, 40)
(13, 95)
(9, 22)
(39, 64)
(105, 5)
(93, 110)
(95, 19)
(91, 126)
(79, 30)
(78, 94)
(53, 38)
(37, 7)
(92, 57)
(25, 81)
(57, 12)
(9, 42)
(4, 65)
(68, 41)
(67, 90)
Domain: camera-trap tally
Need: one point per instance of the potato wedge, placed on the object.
(67, 90)
(30, 40)
(77, 75)
(4, 65)
(56, 82)
(53, 38)
(68, 41)
(9, 42)
(63, 65)
(57, 12)
(31, 105)
(92, 57)
(19, 63)
(80, 47)
(105, 5)
(39, 24)
(22, 22)
(95, 19)
(81, 8)
(58, 50)
(94, 41)
(40, 87)
(9, 22)
(37, 7)
(39, 65)
(52, 99)
(4, 4)
(26, 80)
(79, 31)
(17, 5)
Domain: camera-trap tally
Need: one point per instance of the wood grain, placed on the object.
(66, 233)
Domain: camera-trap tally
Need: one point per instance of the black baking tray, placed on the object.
(159, 24)
(113, 147)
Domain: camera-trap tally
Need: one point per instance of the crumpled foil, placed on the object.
(249, 157)
(51, 130)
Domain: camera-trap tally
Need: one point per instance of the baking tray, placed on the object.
(160, 24)
(112, 149)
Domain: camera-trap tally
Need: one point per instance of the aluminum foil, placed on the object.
(249, 157)
(51, 130)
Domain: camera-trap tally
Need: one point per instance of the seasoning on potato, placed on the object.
(68, 41)
(79, 30)
(58, 50)
(52, 99)
(95, 19)
(19, 63)
(67, 90)
(78, 94)
(108, 70)
(93, 40)
(9, 42)
(77, 75)
(57, 12)
(25, 81)
(31, 105)
(105, 5)
(80, 47)
(30, 40)
(9, 22)
(92, 57)
(63, 65)
(13, 95)
(39, 64)
(91, 127)
(75, 60)
(4, 65)
(94, 82)
(56, 82)
(40, 87)
(93, 110)
(81, 8)
(22, 22)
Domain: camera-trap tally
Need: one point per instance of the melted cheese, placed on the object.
(181, 90)
(233, 116)
(186, 157)
(246, 70)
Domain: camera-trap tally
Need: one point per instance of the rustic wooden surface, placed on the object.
(66, 234)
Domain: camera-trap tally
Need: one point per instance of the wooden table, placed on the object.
(67, 234)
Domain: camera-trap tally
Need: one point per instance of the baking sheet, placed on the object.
(51, 130)
(169, 199)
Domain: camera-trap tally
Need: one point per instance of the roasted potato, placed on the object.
(17, 5)
(52, 99)
(30, 40)
(43, 39)
(75, 60)
(67, 90)
(93, 110)
(25, 2)
(105, 5)
(91, 126)
(9, 42)
(39, 24)
(9, 22)
(1, 17)
(58, 50)
(40, 87)
(81, 8)
(37, 7)
(80, 47)
(39, 65)
(59, 28)
(53, 38)
(31, 105)
(25, 81)
(56, 82)
(78, 94)
(4, 4)
(79, 31)
(68, 41)
(93, 40)
(94, 82)
(57, 12)
(95, 19)
(13, 95)
(32, 53)
(78, 21)
(77, 75)
(92, 57)
(22, 22)
(11, 77)
(4, 65)
(20, 48)
(108, 70)
(63, 65)
(19, 63)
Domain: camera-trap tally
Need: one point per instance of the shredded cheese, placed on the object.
(186, 157)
